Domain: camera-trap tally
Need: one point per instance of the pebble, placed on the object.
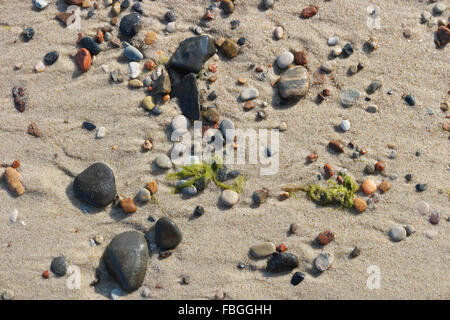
(227, 6)
(297, 278)
(163, 161)
(152, 186)
(189, 191)
(89, 126)
(347, 50)
(130, 24)
(135, 83)
(293, 228)
(336, 146)
(420, 187)
(294, 82)
(374, 86)
(133, 54)
(59, 266)
(230, 48)
(116, 293)
(51, 57)
(13, 216)
(409, 230)
(101, 132)
(393, 154)
(96, 185)
(40, 4)
(426, 16)
(309, 12)
(300, 58)
(397, 233)
(278, 33)
(83, 59)
(282, 262)
(325, 237)
(192, 53)
(323, 261)
(180, 123)
(167, 234)
(333, 41)
(28, 34)
(369, 169)
(148, 103)
(268, 3)
(126, 259)
(8, 295)
(144, 195)
(98, 239)
(285, 59)
(171, 27)
(348, 97)
(135, 69)
(263, 250)
(423, 208)
(336, 52)
(249, 93)
(439, 8)
(229, 197)
(431, 234)
(372, 109)
(360, 204)
(328, 66)
(12, 177)
(90, 44)
(137, 6)
(39, 67)
(345, 125)
(199, 211)
(410, 100)
(355, 252)
(170, 16)
(435, 217)
(368, 187)
(384, 186)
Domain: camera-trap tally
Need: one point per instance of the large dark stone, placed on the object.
(130, 24)
(192, 54)
(126, 259)
(167, 234)
(282, 262)
(96, 185)
(187, 93)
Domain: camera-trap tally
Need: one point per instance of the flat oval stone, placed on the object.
(282, 262)
(227, 128)
(144, 195)
(229, 197)
(345, 125)
(249, 93)
(294, 82)
(89, 44)
(328, 66)
(348, 97)
(51, 57)
(59, 266)
(163, 161)
(297, 278)
(189, 191)
(285, 59)
(133, 54)
(423, 208)
(323, 261)
(263, 250)
(96, 185)
(167, 234)
(126, 259)
(333, 41)
(130, 24)
(397, 233)
(135, 69)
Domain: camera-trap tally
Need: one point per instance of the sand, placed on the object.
(415, 268)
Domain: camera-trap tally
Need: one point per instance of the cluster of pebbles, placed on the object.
(197, 59)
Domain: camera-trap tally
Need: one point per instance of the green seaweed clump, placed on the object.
(334, 193)
(199, 175)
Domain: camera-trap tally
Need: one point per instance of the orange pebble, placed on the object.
(166, 98)
(368, 187)
(83, 59)
(16, 164)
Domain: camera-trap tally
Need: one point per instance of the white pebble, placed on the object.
(249, 93)
(144, 195)
(431, 234)
(278, 33)
(135, 69)
(171, 27)
(397, 233)
(345, 125)
(285, 59)
(146, 293)
(101, 132)
(333, 41)
(336, 52)
(181, 123)
(323, 261)
(39, 67)
(423, 208)
(229, 197)
(13, 215)
(40, 4)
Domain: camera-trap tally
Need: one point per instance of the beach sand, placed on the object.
(212, 246)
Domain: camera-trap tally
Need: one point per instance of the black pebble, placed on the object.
(51, 57)
(241, 41)
(96, 185)
(130, 24)
(408, 177)
(201, 184)
(297, 278)
(410, 100)
(282, 262)
(222, 173)
(348, 50)
(167, 234)
(232, 174)
(59, 266)
(170, 16)
(89, 125)
(199, 211)
(156, 111)
(137, 7)
(90, 45)
(28, 33)
(212, 96)
(125, 4)
(421, 187)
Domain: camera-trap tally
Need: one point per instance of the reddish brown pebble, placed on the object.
(20, 98)
(312, 157)
(46, 274)
(300, 58)
(128, 205)
(326, 92)
(283, 196)
(100, 38)
(83, 59)
(363, 151)
(149, 65)
(360, 204)
(340, 180)
(152, 186)
(379, 166)
(281, 248)
(165, 254)
(34, 130)
(336, 146)
(325, 237)
(147, 145)
(329, 172)
(249, 105)
(259, 69)
(309, 12)
(443, 35)
(368, 187)
(15, 164)
(384, 186)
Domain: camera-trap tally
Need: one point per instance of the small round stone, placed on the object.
(189, 191)
(51, 57)
(8, 295)
(59, 266)
(435, 217)
(101, 132)
(423, 208)
(148, 103)
(285, 59)
(40, 4)
(130, 24)
(171, 27)
(229, 197)
(345, 125)
(439, 8)
(355, 252)
(89, 126)
(328, 66)
(348, 97)
(163, 161)
(372, 109)
(167, 234)
(144, 195)
(336, 52)
(199, 211)
(397, 233)
(180, 123)
(323, 261)
(90, 44)
(368, 187)
(297, 278)
(263, 250)
(333, 41)
(28, 33)
(431, 234)
(170, 16)
(268, 3)
(98, 239)
(410, 100)
(420, 187)
(278, 33)
(348, 50)
(39, 67)
(227, 129)
(249, 93)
